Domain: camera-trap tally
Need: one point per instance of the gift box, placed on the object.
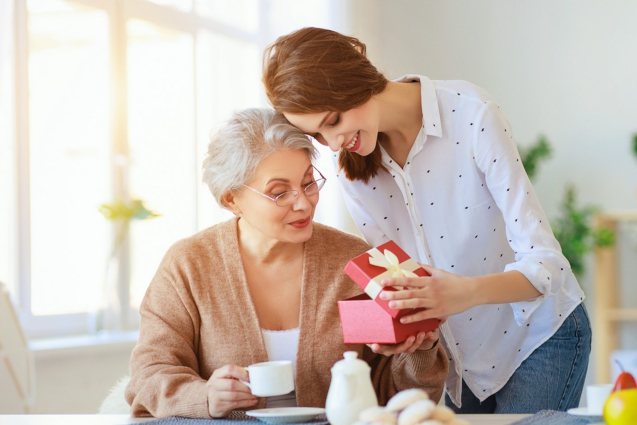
(386, 260)
(368, 319)
(363, 321)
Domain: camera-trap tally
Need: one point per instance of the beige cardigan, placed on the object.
(197, 316)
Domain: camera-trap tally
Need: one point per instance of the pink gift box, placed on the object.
(368, 276)
(366, 319)
(363, 321)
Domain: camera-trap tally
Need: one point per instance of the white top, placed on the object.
(463, 203)
(282, 345)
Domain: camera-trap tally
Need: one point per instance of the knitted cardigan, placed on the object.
(197, 316)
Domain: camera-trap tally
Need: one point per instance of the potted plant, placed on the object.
(573, 228)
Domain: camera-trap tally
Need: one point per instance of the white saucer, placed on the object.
(582, 411)
(281, 415)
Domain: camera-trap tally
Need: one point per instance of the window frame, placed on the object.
(118, 12)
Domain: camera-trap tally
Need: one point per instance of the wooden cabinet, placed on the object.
(607, 314)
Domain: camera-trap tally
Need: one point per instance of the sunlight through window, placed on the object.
(161, 124)
(7, 153)
(69, 154)
(122, 97)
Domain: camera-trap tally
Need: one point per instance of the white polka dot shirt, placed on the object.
(463, 203)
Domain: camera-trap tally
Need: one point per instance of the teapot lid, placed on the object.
(351, 364)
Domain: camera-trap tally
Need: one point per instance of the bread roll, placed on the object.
(416, 412)
(443, 413)
(404, 398)
(378, 414)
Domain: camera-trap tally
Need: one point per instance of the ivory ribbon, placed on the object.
(388, 261)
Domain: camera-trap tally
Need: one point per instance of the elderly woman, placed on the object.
(261, 286)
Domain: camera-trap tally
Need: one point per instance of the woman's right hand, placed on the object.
(226, 393)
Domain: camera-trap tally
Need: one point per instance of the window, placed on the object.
(8, 154)
(114, 100)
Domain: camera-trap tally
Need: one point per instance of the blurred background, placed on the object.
(106, 107)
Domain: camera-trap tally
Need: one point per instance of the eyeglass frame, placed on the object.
(296, 195)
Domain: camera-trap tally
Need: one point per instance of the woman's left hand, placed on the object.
(442, 294)
(422, 341)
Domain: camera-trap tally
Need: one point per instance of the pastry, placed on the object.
(416, 412)
(443, 414)
(377, 414)
(404, 398)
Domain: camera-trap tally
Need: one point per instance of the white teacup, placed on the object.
(268, 379)
(596, 396)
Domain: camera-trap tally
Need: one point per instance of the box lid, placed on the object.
(393, 263)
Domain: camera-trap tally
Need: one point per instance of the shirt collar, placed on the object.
(429, 103)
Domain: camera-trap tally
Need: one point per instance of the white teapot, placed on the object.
(351, 390)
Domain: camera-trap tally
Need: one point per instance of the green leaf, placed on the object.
(140, 212)
(574, 231)
(535, 154)
(604, 237)
(118, 210)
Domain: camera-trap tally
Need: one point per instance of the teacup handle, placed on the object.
(245, 382)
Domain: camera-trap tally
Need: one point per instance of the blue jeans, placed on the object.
(552, 377)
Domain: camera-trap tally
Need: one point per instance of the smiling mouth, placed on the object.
(352, 142)
(301, 223)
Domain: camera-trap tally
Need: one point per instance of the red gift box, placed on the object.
(363, 321)
(368, 319)
(368, 276)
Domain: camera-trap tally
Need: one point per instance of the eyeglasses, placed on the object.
(288, 198)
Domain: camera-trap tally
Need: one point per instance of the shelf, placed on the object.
(608, 316)
(622, 314)
(617, 216)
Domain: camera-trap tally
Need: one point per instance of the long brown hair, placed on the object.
(318, 70)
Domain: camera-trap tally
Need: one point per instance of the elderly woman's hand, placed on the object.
(422, 341)
(226, 393)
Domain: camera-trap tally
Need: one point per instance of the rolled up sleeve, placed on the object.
(538, 255)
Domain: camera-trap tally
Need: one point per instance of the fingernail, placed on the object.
(384, 282)
(403, 320)
(383, 295)
(393, 304)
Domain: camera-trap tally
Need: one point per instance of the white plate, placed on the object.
(281, 415)
(582, 411)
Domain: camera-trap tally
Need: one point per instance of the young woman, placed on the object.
(261, 286)
(433, 166)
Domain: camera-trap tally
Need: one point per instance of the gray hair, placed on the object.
(247, 138)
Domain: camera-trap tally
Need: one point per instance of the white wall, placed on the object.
(566, 69)
(77, 379)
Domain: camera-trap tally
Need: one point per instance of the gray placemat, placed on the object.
(553, 417)
(235, 418)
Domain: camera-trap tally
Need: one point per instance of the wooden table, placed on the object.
(125, 419)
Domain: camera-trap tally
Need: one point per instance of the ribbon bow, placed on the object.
(390, 262)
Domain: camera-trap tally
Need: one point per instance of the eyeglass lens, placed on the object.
(288, 198)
